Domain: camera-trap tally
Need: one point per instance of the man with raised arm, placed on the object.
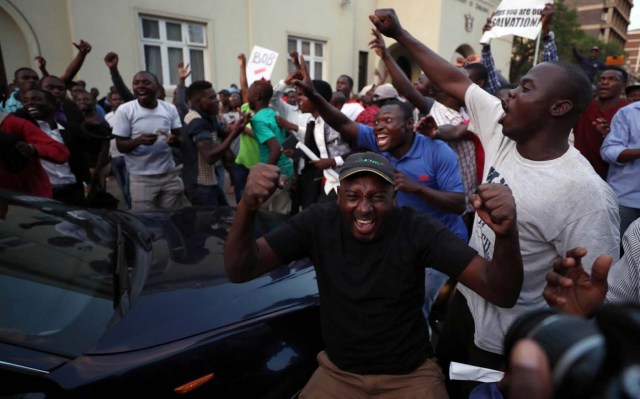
(370, 259)
(562, 203)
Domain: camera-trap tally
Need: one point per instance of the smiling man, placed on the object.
(66, 178)
(370, 259)
(595, 122)
(426, 171)
(562, 203)
(144, 129)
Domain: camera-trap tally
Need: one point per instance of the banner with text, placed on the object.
(260, 64)
(516, 17)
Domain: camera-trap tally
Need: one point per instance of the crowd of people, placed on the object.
(512, 190)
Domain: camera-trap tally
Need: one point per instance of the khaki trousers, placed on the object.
(328, 381)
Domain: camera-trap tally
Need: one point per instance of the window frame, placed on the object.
(311, 58)
(164, 44)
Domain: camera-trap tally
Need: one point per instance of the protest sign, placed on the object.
(260, 64)
(516, 17)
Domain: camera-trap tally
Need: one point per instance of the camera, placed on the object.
(588, 358)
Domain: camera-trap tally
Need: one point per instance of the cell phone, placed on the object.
(161, 132)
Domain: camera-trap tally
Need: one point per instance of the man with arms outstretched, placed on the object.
(370, 259)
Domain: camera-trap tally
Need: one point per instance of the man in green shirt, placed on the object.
(270, 136)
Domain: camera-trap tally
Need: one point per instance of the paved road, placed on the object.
(112, 187)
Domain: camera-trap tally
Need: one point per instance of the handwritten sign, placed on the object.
(260, 64)
(516, 17)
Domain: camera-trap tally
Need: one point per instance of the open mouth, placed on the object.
(382, 140)
(364, 226)
(505, 106)
(33, 111)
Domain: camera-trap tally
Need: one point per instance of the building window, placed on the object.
(167, 42)
(313, 52)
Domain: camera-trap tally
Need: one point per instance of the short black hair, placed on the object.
(323, 88)
(17, 71)
(348, 78)
(224, 92)
(631, 88)
(577, 86)
(40, 83)
(407, 110)
(264, 88)
(155, 78)
(47, 96)
(480, 69)
(196, 88)
(625, 75)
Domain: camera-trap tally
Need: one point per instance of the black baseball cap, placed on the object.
(368, 162)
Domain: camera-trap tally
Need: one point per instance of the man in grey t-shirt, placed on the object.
(145, 129)
(561, 203)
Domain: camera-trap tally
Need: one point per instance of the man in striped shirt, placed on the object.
(572, 289)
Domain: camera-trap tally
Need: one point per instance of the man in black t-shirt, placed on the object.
(369, 258)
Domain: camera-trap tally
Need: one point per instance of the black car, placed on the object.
(114, 304)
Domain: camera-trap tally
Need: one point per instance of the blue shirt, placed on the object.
(431, 163)
(12, 103)
(624, 177)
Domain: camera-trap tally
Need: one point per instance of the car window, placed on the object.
(56, 284)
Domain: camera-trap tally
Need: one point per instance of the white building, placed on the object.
(157, 34)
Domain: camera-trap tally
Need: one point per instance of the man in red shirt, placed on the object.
(593, 124)
(32, 143)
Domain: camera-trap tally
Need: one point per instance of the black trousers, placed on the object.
(71, 194)
(309, 185)
(456, 345)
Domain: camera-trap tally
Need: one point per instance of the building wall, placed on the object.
(49, 27)
(453, 16)
(441, 26)
(27, 31)
(633, 48)
(605, 19)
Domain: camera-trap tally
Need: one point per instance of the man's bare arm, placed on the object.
(444, 75)
(246, 258)
(331, 115)
(400, 81)
(500, 280)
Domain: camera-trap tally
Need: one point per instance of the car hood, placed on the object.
(186, 292)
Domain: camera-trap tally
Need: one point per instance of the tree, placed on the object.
(566, 27)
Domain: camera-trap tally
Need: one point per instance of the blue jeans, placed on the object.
(433, 282)
(204, 195)
(121, 174)
(222, 199)
(238, 175)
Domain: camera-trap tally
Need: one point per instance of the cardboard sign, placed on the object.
(260, 64)
(516, 17)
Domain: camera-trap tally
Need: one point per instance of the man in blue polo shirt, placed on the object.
(427, 174)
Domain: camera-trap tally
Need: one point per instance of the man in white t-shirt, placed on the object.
(351, 108)
(561, 202)
(144, 130)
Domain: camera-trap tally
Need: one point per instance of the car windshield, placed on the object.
(56, 278)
